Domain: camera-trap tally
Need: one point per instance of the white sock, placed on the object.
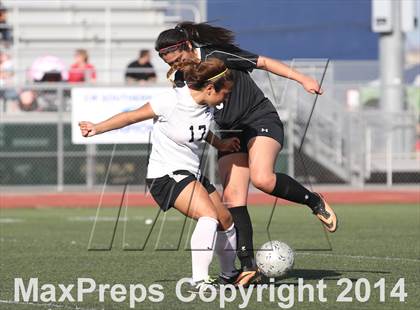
(202, 247)
(226, 250)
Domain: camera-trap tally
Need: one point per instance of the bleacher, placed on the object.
(111, 31)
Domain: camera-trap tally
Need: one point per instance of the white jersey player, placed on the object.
(182, 120)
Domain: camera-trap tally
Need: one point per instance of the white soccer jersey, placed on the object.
(178, 133)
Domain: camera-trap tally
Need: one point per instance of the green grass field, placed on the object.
(372, 242)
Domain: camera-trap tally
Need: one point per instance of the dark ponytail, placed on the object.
(204, 33)
(197, 34)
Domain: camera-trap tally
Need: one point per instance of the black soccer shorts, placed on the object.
(165, 190)
(271, 126)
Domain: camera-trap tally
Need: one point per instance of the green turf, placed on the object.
(372, 242)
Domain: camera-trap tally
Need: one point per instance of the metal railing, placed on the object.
(348, 129)
(36, 148)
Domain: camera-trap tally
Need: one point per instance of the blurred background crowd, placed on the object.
(49, 68)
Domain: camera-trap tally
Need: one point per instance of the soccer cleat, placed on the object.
(223, 279)
(206, 286)
(248, 276)
(326, 214)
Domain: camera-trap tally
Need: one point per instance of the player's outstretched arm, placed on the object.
(223, 145)
(120, 120)
(281, 69)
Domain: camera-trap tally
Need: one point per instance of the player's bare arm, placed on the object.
(120, 120)
(281, 69)
(223, 145)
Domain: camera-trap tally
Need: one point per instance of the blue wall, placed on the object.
(287, 29)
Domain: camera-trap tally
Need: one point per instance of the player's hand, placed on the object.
(230, 145)
(311, 86)
(87, 129)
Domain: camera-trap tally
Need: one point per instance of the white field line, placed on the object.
(398, 259)
(100, 219)
(2, 239)
(6, 220)
(51, 305)
(114, 218)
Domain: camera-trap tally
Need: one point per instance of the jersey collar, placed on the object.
(187, 98)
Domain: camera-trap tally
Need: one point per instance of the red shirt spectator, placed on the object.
(81, 70)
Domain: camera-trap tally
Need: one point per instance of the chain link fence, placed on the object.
(349, 140)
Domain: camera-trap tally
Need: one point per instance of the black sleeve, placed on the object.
(232, 56)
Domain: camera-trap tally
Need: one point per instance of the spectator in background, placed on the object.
(44, 69)
(6, 70)
(81, 70)
(417, 147)
(7, 91)
(28, 101)
(48, 68)
(5, 29)
(140, 71)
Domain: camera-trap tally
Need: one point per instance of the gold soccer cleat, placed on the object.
(248, 277)
(326, 215)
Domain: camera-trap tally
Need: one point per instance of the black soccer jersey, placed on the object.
(246, 103)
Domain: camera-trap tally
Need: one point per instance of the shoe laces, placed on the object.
(205, 284)
(210, 280)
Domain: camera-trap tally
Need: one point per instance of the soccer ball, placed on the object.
(275, 258)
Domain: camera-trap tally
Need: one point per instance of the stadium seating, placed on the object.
(112, 32)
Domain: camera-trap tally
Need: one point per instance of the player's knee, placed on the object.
(210, 213)
(225, 220)
(233, 196)
(262, 181)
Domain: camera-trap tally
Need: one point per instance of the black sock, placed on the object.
(290, 189)
(244, 233)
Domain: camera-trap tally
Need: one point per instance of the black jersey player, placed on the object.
(251, 117)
